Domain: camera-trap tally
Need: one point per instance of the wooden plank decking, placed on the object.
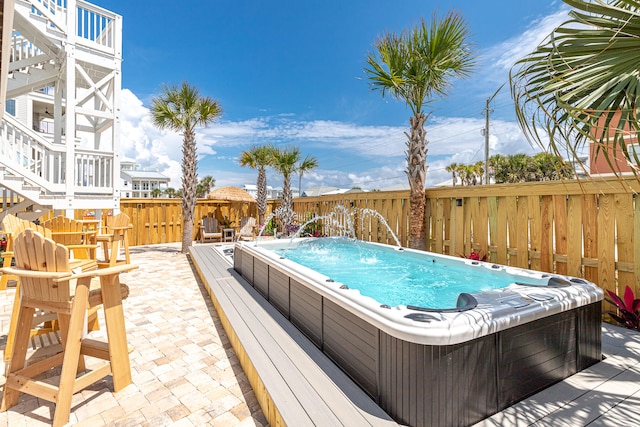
(294, 382)
(297, 385)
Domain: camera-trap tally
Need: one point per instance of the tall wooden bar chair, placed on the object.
(47, 283)
(43, 323)
(75, 235)
(12, 226)
(115, 237)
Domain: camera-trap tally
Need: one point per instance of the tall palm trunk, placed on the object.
(262, 195)
(417, 171)
(287, 204)
(189, 184)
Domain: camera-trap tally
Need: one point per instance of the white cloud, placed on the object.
(450, 140)
(506, 54)
(350, 154)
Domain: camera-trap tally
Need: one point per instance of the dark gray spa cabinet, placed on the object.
(434, 385)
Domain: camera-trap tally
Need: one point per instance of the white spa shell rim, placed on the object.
(497, 310)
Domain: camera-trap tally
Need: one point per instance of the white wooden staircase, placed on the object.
(61, 56)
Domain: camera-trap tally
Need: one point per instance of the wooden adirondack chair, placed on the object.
(43, 323)
(115, 237)
(12, 226)
(247, 229)
(209, 229)
(75, 235)
(46, 280)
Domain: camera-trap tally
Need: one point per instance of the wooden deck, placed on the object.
(295, 383)
(298, 385)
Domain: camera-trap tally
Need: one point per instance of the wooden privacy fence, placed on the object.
(586, 228)
(160, 220)
(583, 228)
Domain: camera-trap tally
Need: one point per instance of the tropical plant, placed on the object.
(309, 163)
(183, 109)
(156, 192)
(259, 157)
(453, 170)
(311, 227)
(475, 256)
(628, 313)
(286, 161)
(268, 229)
(416, 67)
(205, 185)
(581, 84)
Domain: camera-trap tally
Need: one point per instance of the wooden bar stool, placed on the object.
(47, 283)
(115, 237)
(75, 235)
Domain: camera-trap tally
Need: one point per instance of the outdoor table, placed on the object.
(228, 234)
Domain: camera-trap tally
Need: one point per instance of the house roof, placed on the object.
(396, 187)
(139, 174)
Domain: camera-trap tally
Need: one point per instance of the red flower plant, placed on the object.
(475, 256)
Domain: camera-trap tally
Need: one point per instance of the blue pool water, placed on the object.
(389, 277)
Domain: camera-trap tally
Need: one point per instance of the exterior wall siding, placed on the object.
(261, 277)
(535, 355)
(279, 290)
(305, 311)
(352, 343)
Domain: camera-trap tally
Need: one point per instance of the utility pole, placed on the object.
(485, 132)
(487, 112)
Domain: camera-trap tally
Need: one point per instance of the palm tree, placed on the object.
(549, 167)
(581, 84)
(205, 185)
(183, 109)
(170, 192)
(478, 169)
(416, 67)
(517, 168)
(453, 170)
(156, 192)
(497, 168)
(286, 162)
(309, 163)
(259, 157)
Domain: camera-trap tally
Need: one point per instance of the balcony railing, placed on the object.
(44, 163)
(93, 25)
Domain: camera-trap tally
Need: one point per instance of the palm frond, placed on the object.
(581, 85)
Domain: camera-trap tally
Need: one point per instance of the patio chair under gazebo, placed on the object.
(229, 225)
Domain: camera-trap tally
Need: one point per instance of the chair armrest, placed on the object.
(124, 227)
(116, 269)
(58, 275)
(82, 246)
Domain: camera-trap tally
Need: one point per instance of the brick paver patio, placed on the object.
(184, 370)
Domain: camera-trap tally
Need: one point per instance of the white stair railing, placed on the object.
(94, 26)
(26, 153)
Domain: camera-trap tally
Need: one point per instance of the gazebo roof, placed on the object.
(233, 194)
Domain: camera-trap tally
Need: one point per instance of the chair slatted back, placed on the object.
(118, 221)
(12, 225)
(67, 225)
(247, 226)
(35, 252)
(210, 224)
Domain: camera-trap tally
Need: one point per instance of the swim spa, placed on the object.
(435, 366)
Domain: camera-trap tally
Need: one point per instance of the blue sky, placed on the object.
(291, 73)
